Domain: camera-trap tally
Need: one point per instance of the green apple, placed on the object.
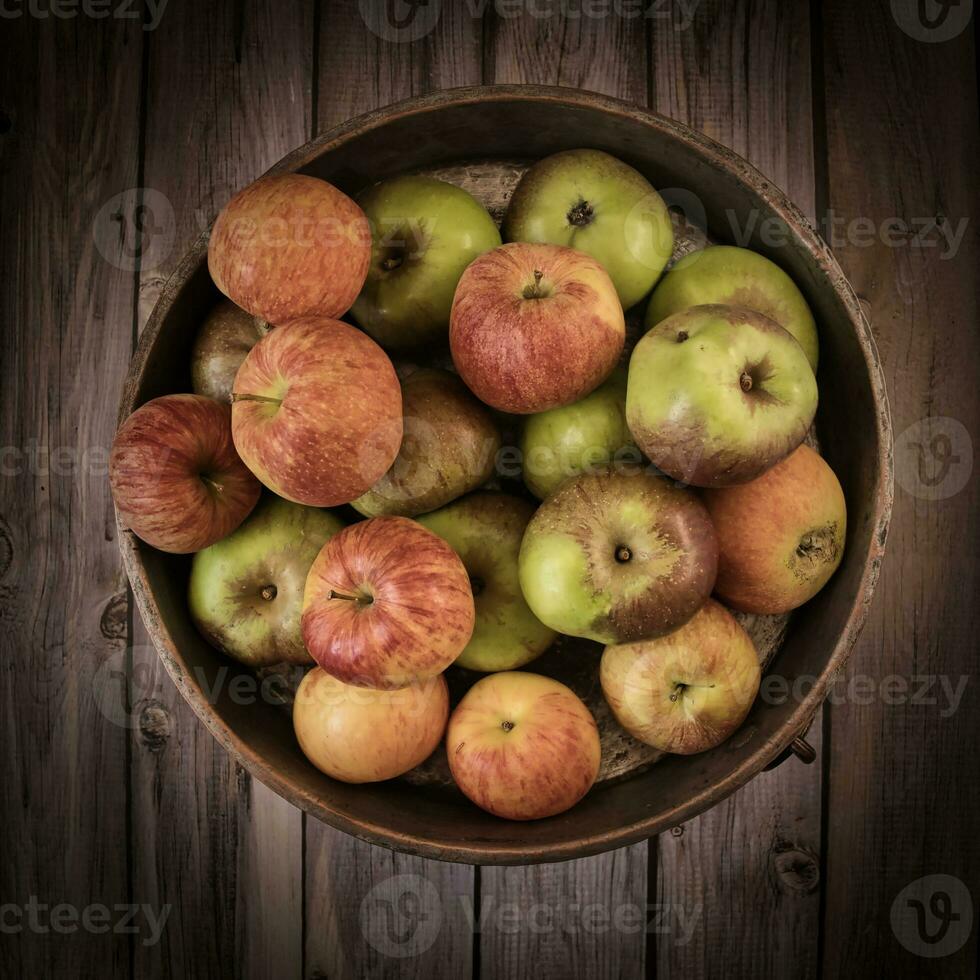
(718, 394)
(589, 200)
(485, 530)
(425, 232)
(735, 276)
(569, 440)
(616, 557)
(449, 447)
(222, 343)
(246, 591)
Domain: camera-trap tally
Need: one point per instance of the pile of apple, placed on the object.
(656, 488)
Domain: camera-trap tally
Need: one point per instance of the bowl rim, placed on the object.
(488, 852)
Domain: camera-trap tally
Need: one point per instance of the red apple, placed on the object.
(535, 326)
(290, 246)
(523, 746)
(176, 479)
(387, 603)
(359, 735)
(780, 537)
(317, 412)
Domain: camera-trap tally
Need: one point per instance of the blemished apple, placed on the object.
(718, 394)
(617, 556)
(780, 537)
(387, 603)
(317, 412)
(358, 735)
(732, 276)
(425, 232)
(449, 447)
(522, 746)
(290, 246)
(246, 591)
(566, 441)
(535, 326)
(485, 530)
(222, 343)
(688, 691)
(177, 481)
(589, 200)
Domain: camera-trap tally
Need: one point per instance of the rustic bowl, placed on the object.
(470, 126)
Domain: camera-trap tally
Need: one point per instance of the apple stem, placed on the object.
(623, 554)
(682, 335)
(581, 214)
(269, 593)
(534, 291)
(507, 725)
(235, 397)
(343, 595)
(216, 487)
(745, 381)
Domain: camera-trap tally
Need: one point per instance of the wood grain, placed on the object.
(228, 93)
(902, 797)
(740, 72)
(65, 309)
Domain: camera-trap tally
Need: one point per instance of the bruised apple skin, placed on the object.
(387, 603)
(177, 481)
(358, 735)
(317, 412)
(732, 276)
(522, 746)
(290, 246)
(614, 556)
(780, 537)
(223, 341)
(718, 394)
(535, 326)
(688, 691)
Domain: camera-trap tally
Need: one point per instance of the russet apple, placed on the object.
(589, 200)
(359, 735)
(223, 341)
(290, 246)
(449, 446)
(780, 537)
(177, 481)
(387, 603)
(485, 530)
(718, 394)
(317, 412)
(615, 556)
(688, 691)
(425, 232)
(535, 326)
(246, 591)
(522, 746)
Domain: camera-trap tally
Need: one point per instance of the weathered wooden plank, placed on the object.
(370, 912)
(228, 94)
(586, 911)
(902, 795)
(740, 72)
(64, 349)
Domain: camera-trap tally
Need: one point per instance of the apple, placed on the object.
(290, 246)
(718, 394)
(223, 341)
(569, 440)
(485, 530)
(535, 326)
(359, 735)
(688, 691)
(387, 603)
(317, 412)
(425, 232)
(616, 556)
(176, 480)
(246, 591)
(522, 746)
(449, 447)
(731, 276)
(589, 200)
(781, 536)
